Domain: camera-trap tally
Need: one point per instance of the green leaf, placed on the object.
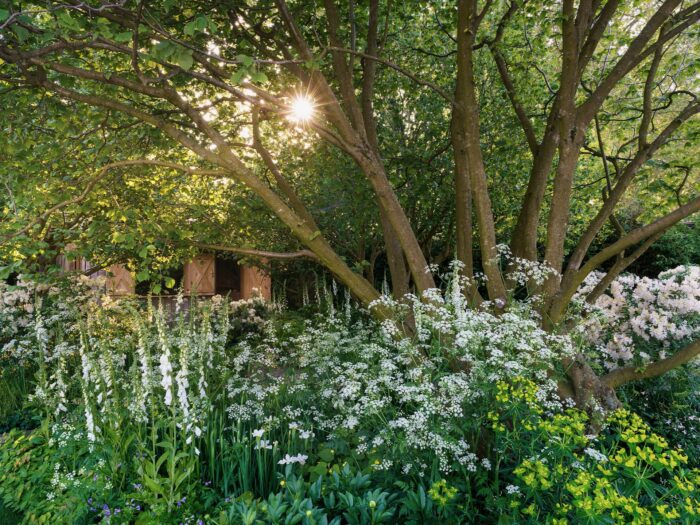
(5, 271)
(238, 76)
(4, 15)
(258, 76)
(326, 455)
(184, 59)
(169, 282)
(153, 486)
(164, 50)
(143, 275)
(246, 60)
(21, 33)
(189, 28)
(197, 25)
(201, 22)
(66, 21)
(126, 36)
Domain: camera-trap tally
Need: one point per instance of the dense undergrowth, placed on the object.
(223, 413)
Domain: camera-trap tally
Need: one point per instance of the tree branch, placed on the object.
(259, 253)
(574, 279)
(623, 182)
(624, 375)
(620, 266)
(634, 54)
(648, 92)
(512, 95)
(282, 182)
(342, 69)
(444, 94)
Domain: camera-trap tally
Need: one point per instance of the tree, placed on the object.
(605, 87)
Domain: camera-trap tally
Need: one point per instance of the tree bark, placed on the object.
(463, 204)
(394, 253)
(467, 124)
(570, 140)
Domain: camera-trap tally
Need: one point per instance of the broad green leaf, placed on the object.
(125, 36)
(184, 59)
(258, 77)
(246, 60)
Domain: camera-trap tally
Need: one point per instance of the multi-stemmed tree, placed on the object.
(598, 89)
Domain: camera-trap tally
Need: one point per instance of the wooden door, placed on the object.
(200, 275)
(255, 282)
(121, 282)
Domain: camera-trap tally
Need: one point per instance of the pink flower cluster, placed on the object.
(640, 319)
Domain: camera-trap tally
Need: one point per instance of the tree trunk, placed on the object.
(524, 238)
(570, 140)
(467, 124)
(394, 254)
(463, 202)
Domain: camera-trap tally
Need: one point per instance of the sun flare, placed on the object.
(301, 109)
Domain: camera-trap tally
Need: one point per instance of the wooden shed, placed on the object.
(208, 274)
(205, 275)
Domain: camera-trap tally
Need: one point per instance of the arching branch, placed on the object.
(624, 375)
(282, 183)
(574, 279)
(259, 253)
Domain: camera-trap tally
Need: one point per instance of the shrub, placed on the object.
(642, 319)
(627, 474)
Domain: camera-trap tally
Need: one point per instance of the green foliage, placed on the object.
(51, 480)
(679, 246)
(626, 474)
(671, 404)
(15, 386)
(341, 497)
(55, 147)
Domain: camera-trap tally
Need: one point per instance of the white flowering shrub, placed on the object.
(385, 398)
(34, 314)
(38, 334)
(640, 319)
(248, 316)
